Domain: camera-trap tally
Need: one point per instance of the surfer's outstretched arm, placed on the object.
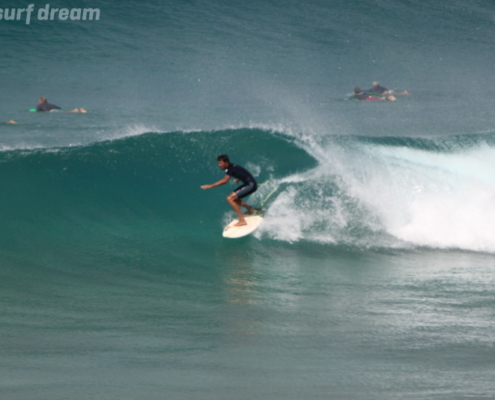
(221, 182)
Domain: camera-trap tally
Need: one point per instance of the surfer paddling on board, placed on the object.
(43, 105)
(248, 186)
(364, 95)
(376, 88)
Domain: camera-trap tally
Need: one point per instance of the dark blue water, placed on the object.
(372, 275)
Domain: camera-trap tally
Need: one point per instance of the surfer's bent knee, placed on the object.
(232, 196)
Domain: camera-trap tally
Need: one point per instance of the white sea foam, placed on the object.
(434, 199)
(367, 193)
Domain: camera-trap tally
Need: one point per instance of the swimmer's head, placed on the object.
(42, 100)
(375, 84)
(357, 89)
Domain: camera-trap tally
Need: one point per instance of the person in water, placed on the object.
(43, 105)
(364, 95)
(376, 88)
(249, 186)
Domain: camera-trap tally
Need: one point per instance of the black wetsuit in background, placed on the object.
(47, 107)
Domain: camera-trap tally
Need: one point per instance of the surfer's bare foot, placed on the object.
(241, 223)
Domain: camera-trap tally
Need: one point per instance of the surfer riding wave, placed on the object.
(249, 186)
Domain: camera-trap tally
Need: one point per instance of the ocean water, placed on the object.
(373, 275)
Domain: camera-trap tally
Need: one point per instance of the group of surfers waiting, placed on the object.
(376, 92)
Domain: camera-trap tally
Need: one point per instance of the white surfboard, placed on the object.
(234, 232)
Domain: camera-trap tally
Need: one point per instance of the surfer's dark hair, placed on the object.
(223, 158)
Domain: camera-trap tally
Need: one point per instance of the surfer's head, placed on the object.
(223, 157)
(223, 161)
(375, 84)
(357, 90)
(42, 100)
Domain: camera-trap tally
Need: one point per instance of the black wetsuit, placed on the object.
(249, 183)
(378, 89)
(47, 107)
(361, 95)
